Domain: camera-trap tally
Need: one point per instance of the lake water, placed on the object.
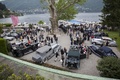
(35, 18)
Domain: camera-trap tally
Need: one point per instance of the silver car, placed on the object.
(45, 53)
(102, 40)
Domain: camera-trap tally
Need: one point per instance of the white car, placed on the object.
(102, 40)
(9, 38)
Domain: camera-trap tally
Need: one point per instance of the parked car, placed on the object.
(98, 35)
(23, 48)
(102, 40)
(9, 38)
(87, 31)
(73, 59)
(102, 51)
(13, 34)
(45, 53)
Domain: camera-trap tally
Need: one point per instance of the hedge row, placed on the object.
(3, 46)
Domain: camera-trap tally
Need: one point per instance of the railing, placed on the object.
(54, 74)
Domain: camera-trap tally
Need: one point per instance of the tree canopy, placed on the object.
(61, 9)
(111, 13)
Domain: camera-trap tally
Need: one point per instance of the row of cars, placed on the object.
(99, 39)
(42, 54)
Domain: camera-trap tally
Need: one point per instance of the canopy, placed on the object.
(75, 22)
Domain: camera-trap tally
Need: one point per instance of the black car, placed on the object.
(88, 31)
(22, 49)
(73, 59)
(102, 51)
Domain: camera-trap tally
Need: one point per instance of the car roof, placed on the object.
(53, 45)
(74, 53)
(97, 39)
(105, 48)
(43, 49)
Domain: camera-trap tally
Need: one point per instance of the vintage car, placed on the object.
(101, 51)
(73, 58)
(23, 48)
(45, 53)
(102, 40)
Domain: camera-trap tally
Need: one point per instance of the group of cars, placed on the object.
(20, 48)
(101, 39)
(9, 34)
(101, 44)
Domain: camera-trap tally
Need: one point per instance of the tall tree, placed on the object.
(111, 13)
(61, 9)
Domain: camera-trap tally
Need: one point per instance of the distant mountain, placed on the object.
(34, 5)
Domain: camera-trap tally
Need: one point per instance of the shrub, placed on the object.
(25, 77)
(5, 72)
(109, 67)
(41, 22)
(1, 27)
(3, 46)
(7, 25)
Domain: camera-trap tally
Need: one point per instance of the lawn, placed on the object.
(114, 34)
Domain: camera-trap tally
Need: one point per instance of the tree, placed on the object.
(111, 13)
(61, 9)
(41, 22)
(109, 67)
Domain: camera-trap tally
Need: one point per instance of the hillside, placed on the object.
(34, 5)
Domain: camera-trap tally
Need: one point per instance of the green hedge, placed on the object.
(3, 46)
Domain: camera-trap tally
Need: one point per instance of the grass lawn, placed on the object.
(114, 34)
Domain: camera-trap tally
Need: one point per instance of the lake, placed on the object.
(35, 18)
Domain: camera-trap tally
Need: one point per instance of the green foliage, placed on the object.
(3, 46)
(1, 26)
(41, 22)
(109, 67)
(25, 76)
(111, 11)
(30, 26)
(7, 24)
(66, 9)
(5, 72)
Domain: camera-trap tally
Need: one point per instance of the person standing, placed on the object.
(56, 56)
(62, 52)
(65, 51)
(62, 58)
